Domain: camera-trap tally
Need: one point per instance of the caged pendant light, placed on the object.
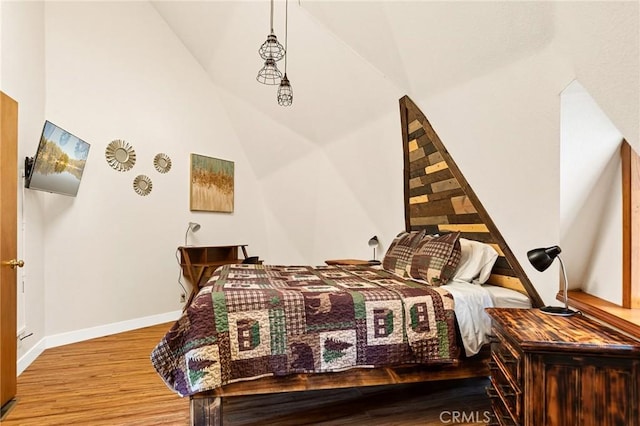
(271, 51)
(269, 74)
(285, 92)
(272, 47)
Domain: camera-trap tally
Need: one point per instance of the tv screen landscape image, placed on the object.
(59, 162)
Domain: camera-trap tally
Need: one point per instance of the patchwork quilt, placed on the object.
(251, 321)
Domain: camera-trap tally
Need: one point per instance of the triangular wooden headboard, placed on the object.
(438, 198)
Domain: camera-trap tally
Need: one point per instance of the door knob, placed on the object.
(13, 263)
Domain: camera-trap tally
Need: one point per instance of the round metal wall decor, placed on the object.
(162, 163)
(120, 155)
(142, 185)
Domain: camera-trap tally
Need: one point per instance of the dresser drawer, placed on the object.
(510, 396)
(501, 415)
(508, 358)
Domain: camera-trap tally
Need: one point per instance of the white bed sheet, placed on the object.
(473, 322)
(471, 300)
(507, 298)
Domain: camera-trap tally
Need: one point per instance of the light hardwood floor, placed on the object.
(104, 381)
(110, 381)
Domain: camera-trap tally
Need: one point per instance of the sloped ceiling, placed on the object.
(349, 59)
(326, 76)
(353, 55)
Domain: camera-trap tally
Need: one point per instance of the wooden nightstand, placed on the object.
(356, 262)
(549, 370)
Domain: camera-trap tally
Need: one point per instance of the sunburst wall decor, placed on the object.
(120, 155)
(142, 185)
(162, 163)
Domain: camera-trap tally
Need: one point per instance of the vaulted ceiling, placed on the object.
(347, 59)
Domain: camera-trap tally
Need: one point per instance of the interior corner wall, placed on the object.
(602, 40)
(114, 70)
(504, 132)
(365, 170)
(326, 193)
(330, 201)
(590, 196)
(23, 78)
(503, 126)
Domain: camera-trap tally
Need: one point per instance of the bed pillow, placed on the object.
(436, 258)
(476, 261)
(397, 259)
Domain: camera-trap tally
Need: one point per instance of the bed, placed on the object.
(283, 320)
(257, 329)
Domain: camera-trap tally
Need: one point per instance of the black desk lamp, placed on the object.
(541, 259)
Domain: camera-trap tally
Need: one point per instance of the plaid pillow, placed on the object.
(397, 259)
(435, 259)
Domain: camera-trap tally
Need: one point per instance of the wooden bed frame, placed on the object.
(439, 199)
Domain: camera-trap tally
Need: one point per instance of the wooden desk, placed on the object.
(199, 262)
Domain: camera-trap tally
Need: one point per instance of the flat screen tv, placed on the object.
(59, 162)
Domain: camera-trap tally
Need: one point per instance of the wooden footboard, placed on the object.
(206, 407)
(206, 410)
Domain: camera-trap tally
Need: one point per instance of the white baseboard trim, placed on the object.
(92, 333)
(31, 355)
(108, 329)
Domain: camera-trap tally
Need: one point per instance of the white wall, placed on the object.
(504, 137)
(326, 191)
(489, 78)
(108, 255)
(590, 196)
(602, 41)
(23, 78)
(115, 71)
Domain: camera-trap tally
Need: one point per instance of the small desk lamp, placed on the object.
(541, 259)
(373, 242)
(193, 227)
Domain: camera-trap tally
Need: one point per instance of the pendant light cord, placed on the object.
(286, 34)
(271, 17)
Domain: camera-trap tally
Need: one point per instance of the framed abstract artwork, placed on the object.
(211, 184)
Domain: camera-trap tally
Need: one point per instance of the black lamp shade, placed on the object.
(373, 242)
(542, 258)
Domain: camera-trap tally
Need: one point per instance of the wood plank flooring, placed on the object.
(110, 381)
(104, 381)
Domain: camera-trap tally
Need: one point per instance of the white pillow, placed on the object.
(476, 261)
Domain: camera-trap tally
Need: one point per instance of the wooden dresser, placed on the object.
(549, 370)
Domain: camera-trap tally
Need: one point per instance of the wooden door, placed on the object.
(8, 248)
